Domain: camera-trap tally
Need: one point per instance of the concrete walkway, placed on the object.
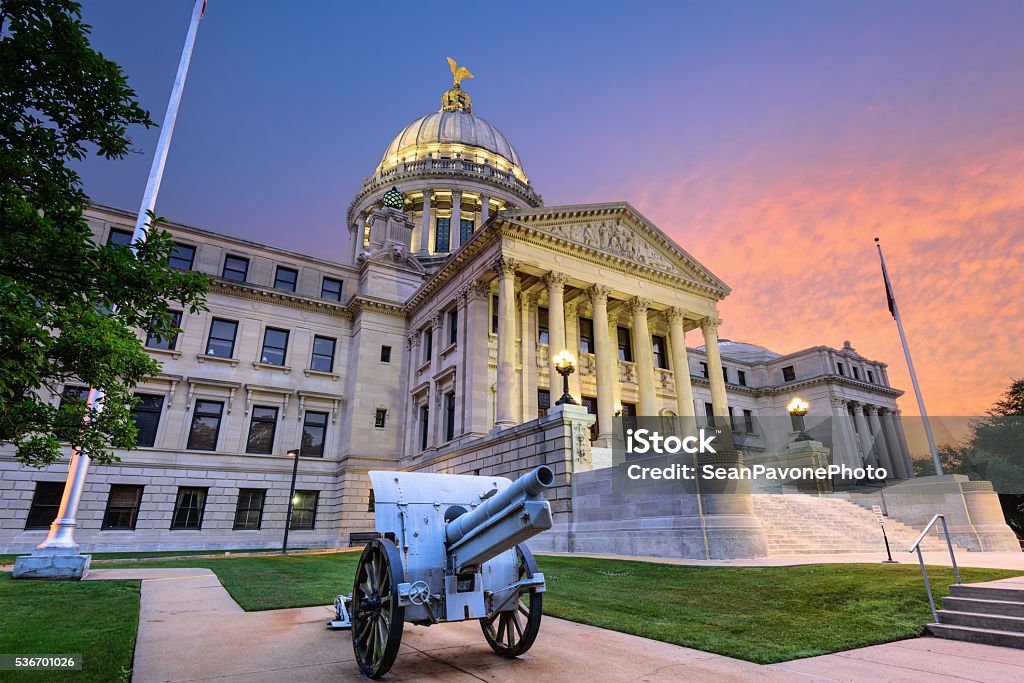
(1008, 560)
(191, 630)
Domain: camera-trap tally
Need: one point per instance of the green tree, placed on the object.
(70, 307)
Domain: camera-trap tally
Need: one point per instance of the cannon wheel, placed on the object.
(511, 633)
(377, 618)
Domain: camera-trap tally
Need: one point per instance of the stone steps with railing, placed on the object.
(797, 524)
(991, 613)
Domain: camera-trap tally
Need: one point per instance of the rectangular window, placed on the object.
(586, 335)
(205, 426)
(442, 235)
(314, 433)
(428, 344)
(304, 509)
(704, 370)
(385, 354)
(262, 427)
(285, 278)
(182, 257)
(841, 369)
(465, 230)
(323, 354)
(788, 374)
(856, 372)
(235, 268)
(449, 416)
(331, 289)
(275, 346)
(871, 377)
(725, 373)
(709, 413)
(120, 238)
(188, 508)
(543, 402)
(494, 314)
(146, 414)
(45, 503)
(453, 326)
(73, 393)
(122, 507)
(249, 512)
(155, 342)
(222, 338)
(741, 378)
(424, 426)
(625, 344)
(660, 352)
(542, 325)
(628, 409)
(380, 419)
(748, 421)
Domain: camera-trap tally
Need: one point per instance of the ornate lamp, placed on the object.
(797, 409)
(565, 364)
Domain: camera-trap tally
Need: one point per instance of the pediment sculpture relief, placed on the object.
(615, 238)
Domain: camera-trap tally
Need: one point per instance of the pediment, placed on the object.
(619, 231)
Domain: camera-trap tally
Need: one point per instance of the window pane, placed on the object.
(188, 509)
(586, 335)
(304, 509)
(249, 513)
(385, 354)
(147, 418)
(182, 256)
(236, 268)
(275, 345)
(323, 354)
(542, 325)
(625, 344)
(45, 503)
(286, 278)
(314, 428)
(122, 507)
(120, 238)
(155, 342)
(261, 430)
(442, 236)
(222, 338)
(205, 426)
(331, 289)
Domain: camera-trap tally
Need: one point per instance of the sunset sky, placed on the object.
(773, 141)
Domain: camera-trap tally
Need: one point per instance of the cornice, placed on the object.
(245, 290)
(361, 303)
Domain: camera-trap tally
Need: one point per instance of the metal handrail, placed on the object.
(920, 558)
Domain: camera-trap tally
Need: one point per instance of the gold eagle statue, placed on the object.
(459, 73)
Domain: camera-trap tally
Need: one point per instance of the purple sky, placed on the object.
(771, 140)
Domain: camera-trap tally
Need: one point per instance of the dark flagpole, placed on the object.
(894, 309)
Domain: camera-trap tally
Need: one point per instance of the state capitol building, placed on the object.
(433, 349)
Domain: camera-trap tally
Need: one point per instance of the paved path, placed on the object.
(191, 630)
(1007, 560)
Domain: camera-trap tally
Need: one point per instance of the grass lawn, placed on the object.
(759, 614)
(9, 559)
(96, 619)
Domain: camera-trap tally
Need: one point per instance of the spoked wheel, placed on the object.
(511, 633)
(377, 619)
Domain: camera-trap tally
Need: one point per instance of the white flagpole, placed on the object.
(61, 539)
(910, 362)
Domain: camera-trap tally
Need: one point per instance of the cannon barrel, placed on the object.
(502, 521)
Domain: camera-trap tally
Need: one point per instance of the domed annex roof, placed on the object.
(744, 352)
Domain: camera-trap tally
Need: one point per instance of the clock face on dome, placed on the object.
(394, 199)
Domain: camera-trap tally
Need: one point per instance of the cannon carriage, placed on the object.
(450, 548)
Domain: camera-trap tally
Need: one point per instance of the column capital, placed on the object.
(428, 195)
(555, 280)
(505, 266)
(570, 310)
(475, 291)
(456, 194)
(710, 323)
(839, 402)
(435, 321)
(638, 305)
(676, 315)
(599, 293)
(413, 340)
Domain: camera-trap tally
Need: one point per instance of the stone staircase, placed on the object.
(798, 524)
(991, 613)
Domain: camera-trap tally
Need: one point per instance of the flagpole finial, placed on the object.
(876, 240)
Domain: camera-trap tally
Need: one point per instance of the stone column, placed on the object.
(357, 238)
(572, 342)
(504, 414)
(412, 343)
(455, 239)
(878, 441)
(462, 340)
(680, 363)
(436, 419)
(844, 446)
(643, 354)
(426, 240)
(719, 402)
(556, 329)
(606, 365)
(901, 435)
(476, 387)
(893, 444)
(527, 360)
(485, 208)
(864, 434)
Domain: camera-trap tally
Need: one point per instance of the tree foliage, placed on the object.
(71, 307)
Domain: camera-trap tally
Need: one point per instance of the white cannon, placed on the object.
(450, 548)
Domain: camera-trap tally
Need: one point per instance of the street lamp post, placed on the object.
(798, 408)
(565, 364)
(294, 453)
